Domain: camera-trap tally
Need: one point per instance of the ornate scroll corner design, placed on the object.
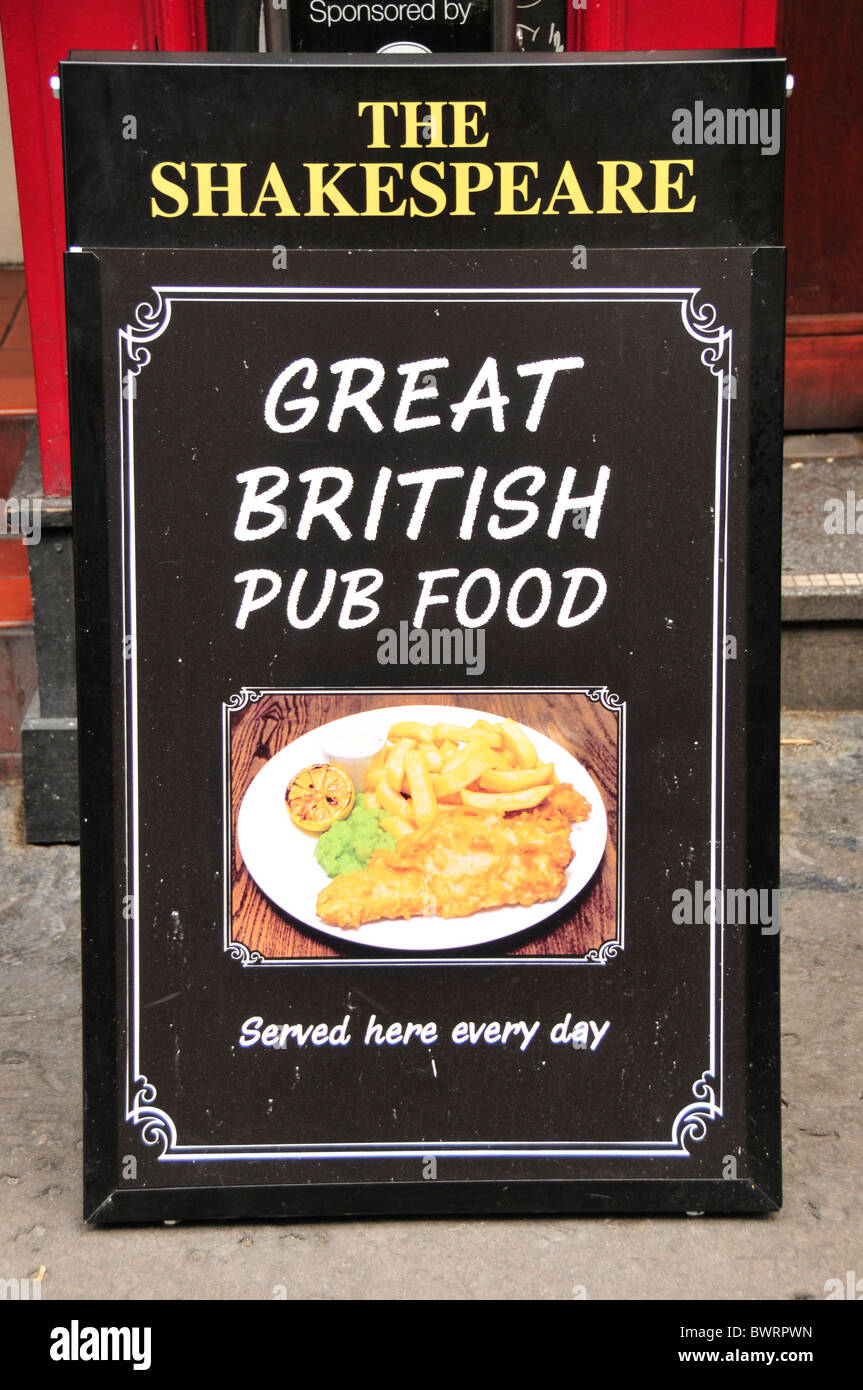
(157, 1127)
(245, 696)
(238, 950)
(601, 955)
(605, 696)
(152, 319)
(690, 1125)
(699, 320)
(150, 322)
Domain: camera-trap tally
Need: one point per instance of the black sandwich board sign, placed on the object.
(426, 448)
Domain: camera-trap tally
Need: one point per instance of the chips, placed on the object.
(425, 769)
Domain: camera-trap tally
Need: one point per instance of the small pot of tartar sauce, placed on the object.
(351, 747)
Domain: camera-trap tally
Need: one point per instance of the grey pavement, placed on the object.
(819, 515)
(787, 1255)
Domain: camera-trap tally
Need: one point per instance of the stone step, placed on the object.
(822, 572)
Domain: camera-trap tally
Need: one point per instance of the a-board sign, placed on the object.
(426, 448)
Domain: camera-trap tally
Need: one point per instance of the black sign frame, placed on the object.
(110, 1195)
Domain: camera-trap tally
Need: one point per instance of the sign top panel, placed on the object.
(432, 152)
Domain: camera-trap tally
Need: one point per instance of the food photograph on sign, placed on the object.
(405, 824)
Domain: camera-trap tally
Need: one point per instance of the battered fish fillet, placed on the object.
(460, 863)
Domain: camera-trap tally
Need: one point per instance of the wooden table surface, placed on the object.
(584, 727)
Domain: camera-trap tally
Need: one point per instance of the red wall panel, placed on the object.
(641, 25)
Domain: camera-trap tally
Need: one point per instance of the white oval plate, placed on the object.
(281, 858)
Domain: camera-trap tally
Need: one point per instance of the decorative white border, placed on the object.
(238, 951)
(133, 346)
